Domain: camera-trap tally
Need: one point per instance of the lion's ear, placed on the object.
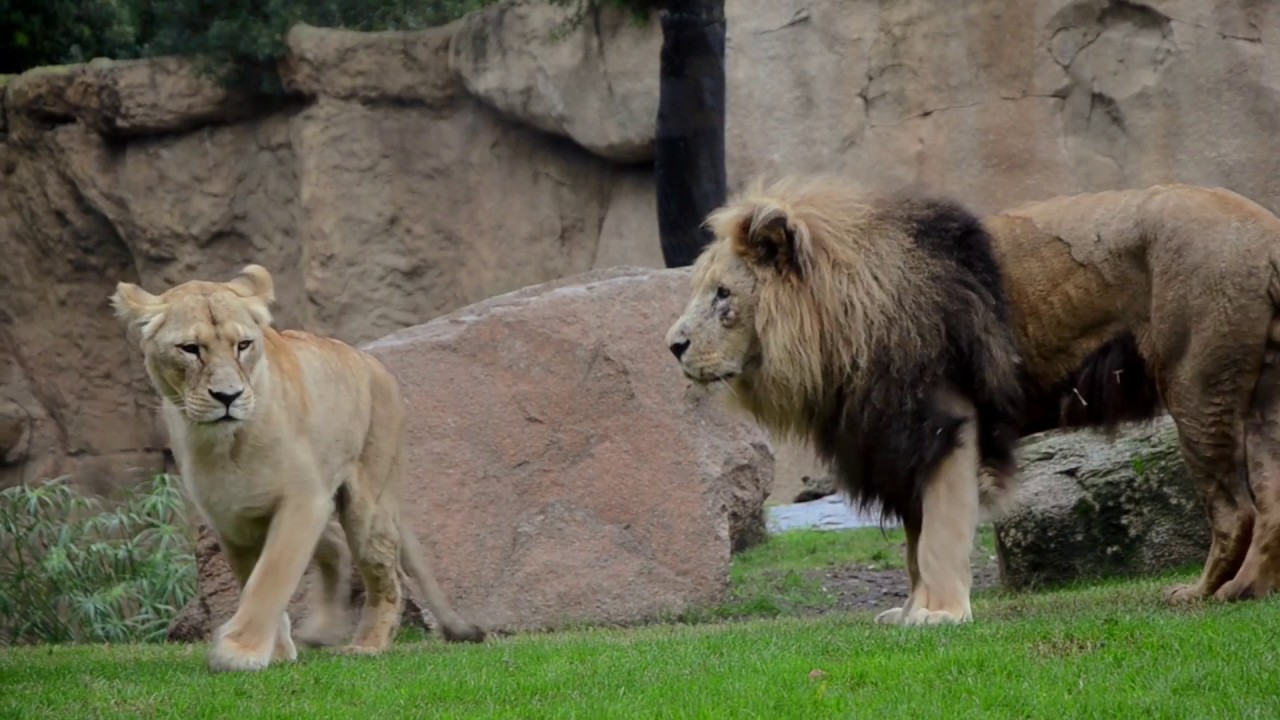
(254, 282)
(133, 305)
(255, 286)
(771, 238)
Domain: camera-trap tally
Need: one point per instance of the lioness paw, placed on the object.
(229, 656)
(353, 649)
(465, 632)
(924, 616)
(320, 630)
(892, 616)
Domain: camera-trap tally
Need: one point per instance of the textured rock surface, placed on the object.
(560, 468)
(380, 203)
(598, 86)
(219, 593)
(416, 177)
(1088, 507)
(816, 486)
(998, 102)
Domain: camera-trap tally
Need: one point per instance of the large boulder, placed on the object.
(596, 84)
(1091, 507)
(560, 469)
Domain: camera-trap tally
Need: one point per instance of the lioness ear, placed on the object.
(255, 286)
(254, 282)
(134, 305)
(770, 238)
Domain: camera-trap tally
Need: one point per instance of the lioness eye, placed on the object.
(244, 345)
(190, 348)
(722, 292)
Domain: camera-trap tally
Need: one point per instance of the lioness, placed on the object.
(273, 431)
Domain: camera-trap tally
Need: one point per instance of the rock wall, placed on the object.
(385, 195)
(417, 172)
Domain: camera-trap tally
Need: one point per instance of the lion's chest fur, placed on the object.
(238, 482)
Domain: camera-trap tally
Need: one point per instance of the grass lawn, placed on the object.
(789, 643)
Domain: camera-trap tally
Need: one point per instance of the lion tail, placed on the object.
(452, 626)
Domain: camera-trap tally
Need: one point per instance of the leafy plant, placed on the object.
(73, 571)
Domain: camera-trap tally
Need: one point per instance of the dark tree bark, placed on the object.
(689, 154)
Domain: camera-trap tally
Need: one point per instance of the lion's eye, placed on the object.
(244, 345)
(190, 349)
(722, 292)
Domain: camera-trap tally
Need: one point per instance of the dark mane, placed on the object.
(886, 437)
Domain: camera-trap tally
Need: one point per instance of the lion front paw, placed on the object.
(1238, 589)
(228, 655)
(924, 616)
(892, 616)
(353, 649)
(1184, 594)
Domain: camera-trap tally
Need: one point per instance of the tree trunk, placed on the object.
(689, 155)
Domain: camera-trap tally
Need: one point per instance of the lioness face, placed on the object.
(715, 338)
(202, 343)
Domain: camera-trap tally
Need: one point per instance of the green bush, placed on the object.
(241, 37)
(73, 571)
(240, 40)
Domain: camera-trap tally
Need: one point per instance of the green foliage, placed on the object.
(72, 571)
(640, 12)
(66, 31)
(241, 39)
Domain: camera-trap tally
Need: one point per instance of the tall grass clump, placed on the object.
(72, 570)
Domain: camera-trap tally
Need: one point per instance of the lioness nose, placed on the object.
(226, 398)
(678, 348)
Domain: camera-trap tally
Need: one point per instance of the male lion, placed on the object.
(837, 317)
(273, 431)
(877, 329)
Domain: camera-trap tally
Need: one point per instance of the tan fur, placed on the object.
(938, 551)
(310, 415)
(1191, 272)
(861, 278)
(830, 307)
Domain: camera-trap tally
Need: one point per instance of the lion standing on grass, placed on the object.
(877, 329)
(273, 432)
(912, 344)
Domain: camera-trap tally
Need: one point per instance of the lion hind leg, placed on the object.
(326, 621)
(374, 542)
(1211, 449)
(1259, 573)
(949, 519)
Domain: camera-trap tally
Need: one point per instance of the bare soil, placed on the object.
(861, 588)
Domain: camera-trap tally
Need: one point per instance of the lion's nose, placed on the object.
(226, 398)
(678, 348)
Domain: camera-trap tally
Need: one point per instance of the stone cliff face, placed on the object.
(419, 172)
(385, 196)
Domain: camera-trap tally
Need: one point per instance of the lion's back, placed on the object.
(345, 393)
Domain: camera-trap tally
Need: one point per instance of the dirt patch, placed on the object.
(861, 588)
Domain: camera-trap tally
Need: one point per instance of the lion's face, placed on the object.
(203, 343)
(715, 338)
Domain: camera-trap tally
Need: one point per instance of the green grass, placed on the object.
(1105, 649)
